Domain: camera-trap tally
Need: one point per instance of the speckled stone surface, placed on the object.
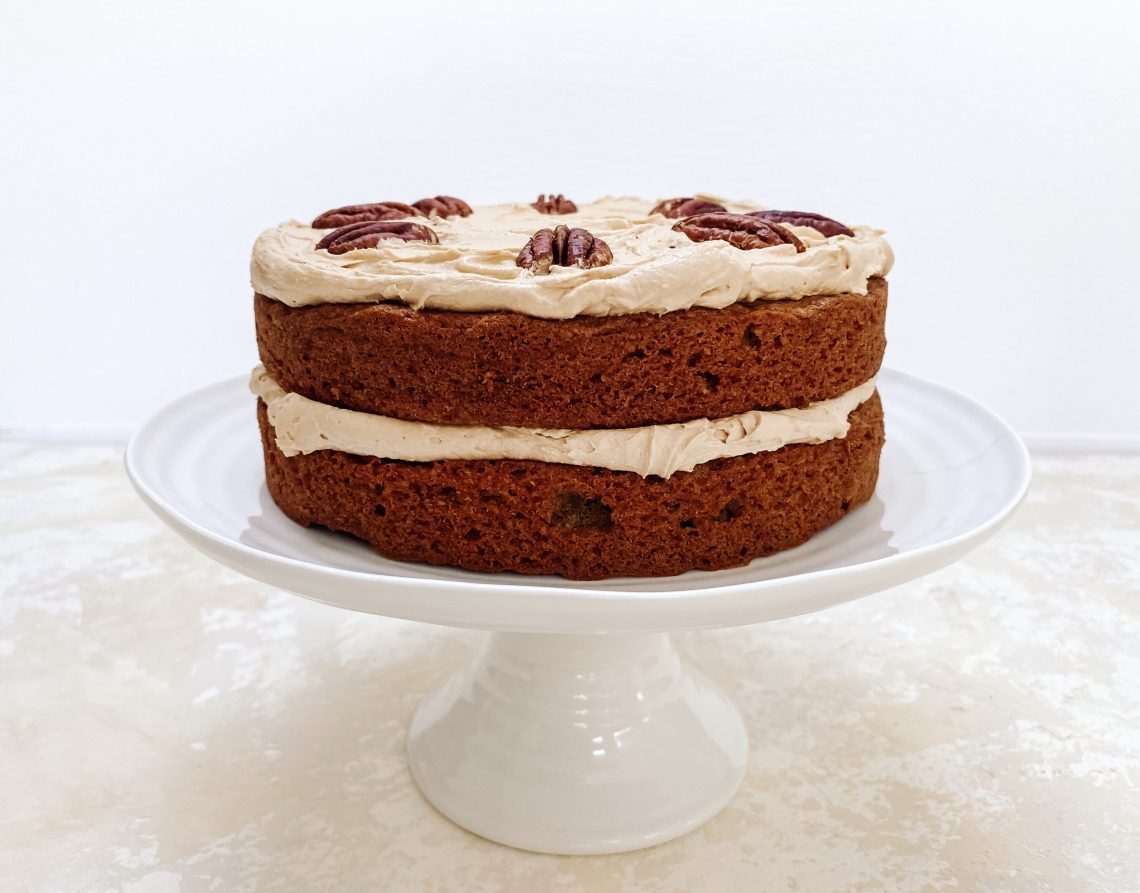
(166, 725)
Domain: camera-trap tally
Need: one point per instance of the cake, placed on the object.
(624, 387)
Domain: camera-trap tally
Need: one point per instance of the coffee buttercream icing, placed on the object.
(304, 426)
(654, 270)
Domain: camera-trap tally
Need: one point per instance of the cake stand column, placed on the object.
(578, 743)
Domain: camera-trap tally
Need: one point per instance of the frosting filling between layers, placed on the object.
(304, 426)
(654, 270)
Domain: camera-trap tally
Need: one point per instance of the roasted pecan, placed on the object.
(554, 204)
(741, 230)
(368, 235)
(364, 213)
(563, 247)
(686, 207)
(444, 206)
(825, 225)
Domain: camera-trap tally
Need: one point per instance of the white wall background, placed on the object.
(145, 145)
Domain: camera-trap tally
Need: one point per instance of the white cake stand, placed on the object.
(578, 729)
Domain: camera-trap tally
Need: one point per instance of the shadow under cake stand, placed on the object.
(578, 728)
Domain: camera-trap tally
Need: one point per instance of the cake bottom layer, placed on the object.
(581, 522)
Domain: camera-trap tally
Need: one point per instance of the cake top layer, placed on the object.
(475, 265)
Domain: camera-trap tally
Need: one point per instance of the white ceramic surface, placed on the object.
(553, 739)
(578, 743)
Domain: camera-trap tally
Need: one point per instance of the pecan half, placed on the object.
(686, 207)
(363, 213)
(443, 205)
(825, 225)
(368, 235)
(741, 230)
(554, 204)
(563, 247)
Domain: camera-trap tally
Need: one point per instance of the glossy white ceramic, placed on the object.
(578, 743)
(555, 739)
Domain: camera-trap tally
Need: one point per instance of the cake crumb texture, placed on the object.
(499, 368)
(580, 522)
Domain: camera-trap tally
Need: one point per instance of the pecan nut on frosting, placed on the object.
(825, 225)
(443, 206)
(364, 213)
(742, 230)
(686, 207)
(554, 204)
(563, 247)
(368, 235)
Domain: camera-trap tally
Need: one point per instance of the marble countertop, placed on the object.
(167, 725)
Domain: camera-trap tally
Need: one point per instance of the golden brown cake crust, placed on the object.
(581, 522)
(502, 368)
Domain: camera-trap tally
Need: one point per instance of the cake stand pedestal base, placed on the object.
(578, 744)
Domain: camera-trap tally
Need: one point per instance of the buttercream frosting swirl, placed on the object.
(304, 426)
(655, 269)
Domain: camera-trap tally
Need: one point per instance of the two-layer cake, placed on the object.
(617, 388)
